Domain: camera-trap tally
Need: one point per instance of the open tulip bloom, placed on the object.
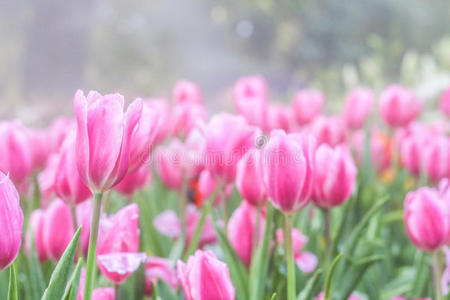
(270, 200)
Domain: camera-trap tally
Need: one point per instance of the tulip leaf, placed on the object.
(164, 291)
(12, 289)
(37, 281)
(61, 274)
(274, 295)
(150, 235)
(307, 292)
(330, 276)
(72, 291)
(260, 261)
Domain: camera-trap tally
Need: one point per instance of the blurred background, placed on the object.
(50, 48)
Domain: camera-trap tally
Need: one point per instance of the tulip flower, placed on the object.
(11, 221)
(58, 131)
(187, 92)
(41, 147)
(103, 294)
(329, 130)
(335, 176)
(46, 180)
(307, 105)
(357, 107)
(206, 185)
(157, 268)
(306, 261)
(84, 216)
(185, 117)
(36, 228)
(436, 158)
(199, 272)
(381, 148)
(249, 178)
(169, 164)
(15, 154)
(134, 181)
(281, 117)
(411, 152)
(398, 106)
(250, 87)
(444, 103)
(163, 109)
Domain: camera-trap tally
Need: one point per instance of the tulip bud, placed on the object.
(249, 178)
(187, 92)
(157, 268)
(437, 158)
(329, 130)
(199, 272)
(11, 221)
(163, 109)
(335, 176)
(185, 117)
(444, 104)
(398, 106)
(306, 261)
(168, 164)
(206, 186)
(281, 117)
(358, 106)
(426, 219)
(288, 171)
(103, 138)
(411, 149)
(41, 147)
(307, 105)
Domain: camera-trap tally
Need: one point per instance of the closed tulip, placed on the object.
(437, 158)
(46, 180)
(103, 138)
(206, 186)
(305, 261)
(329, 130)
(335, 176)
(134, 181)
(106, 293)
(185, 117)
(398, 105)
(411, 152)
(84, 217)
(58, 131)
(169, 164)
(36, 229)
(157, 268)
(307, 105)
(288, 171)
(187, 92)
(249, 178)
(444, 103)
(426, 218)
(11, 221)
(163, 109)
(41, 147)
(358, 106)
(199, 272)
(281, 117)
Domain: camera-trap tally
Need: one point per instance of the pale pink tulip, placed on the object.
(206, 187)
(185, 117)
(134, 181)
(249, 178)
(358, 106)
(157, 268)
(306, 261)
(187, 92)
(411, 152)
(58, 131)
(164, 120)
(398, 105)
(307, 105)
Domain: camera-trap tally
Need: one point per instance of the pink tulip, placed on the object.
(106, 293)
(58, 131)
(118, 266)
(329, 130)
(281, 117)
(249, 178)
(68, 184)
(288, 171)
(11, 221)
(157, 268)
(199, 272)
(358, 106)
(40, 150)
(381, 148)
(46, 180)
(426, 219)
(103, 138)
(241, 231)
(187, 92)
(134, 181)
(206, 187)
(306, 261)
(398, 106)
(163, 109)
(36, 229)
(335, 176)
(411, 152)
(58, 228)
(169, 164)
(185, 117)
(84, 216)
(250, 87)
(307, 105)
(15, 154)
(444, 103)
(192, 160)
(228, 138)
(437, 158)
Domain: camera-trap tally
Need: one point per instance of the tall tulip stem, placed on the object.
(326, 212)
(91, 266)
(436, 275)
(289, 256)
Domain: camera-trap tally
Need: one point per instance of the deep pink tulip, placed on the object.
(398, 105)
(249, 178)
(306, 261)
(307, 105)
(199, 272)
(185, 117)
(157, 268)
(11, 221)
(329, 130)
(444, 103)
(36, 228)
(288, 171)
(134, 181)
(358, 106)
(228, 138)
(84, 217)
(437, 158)
(15, 153)
(163, 109)
(169, 164)
(281, 117)
(58, 228)
(426, 219)
(68, 184)
(46, 180)
(411, 152)
(103, 138)
(187, 92)
(241, 231)
(335, 176)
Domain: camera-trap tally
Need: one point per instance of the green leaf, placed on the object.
(37, 282)
(330, 276)
(308, 291)
(61, 274)
(12, 289)
(72, 292)
(164, 291)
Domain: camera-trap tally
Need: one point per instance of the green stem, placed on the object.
(289, 256)
(75, 227)
(326, 213)
(91, 265)
(436, 275)
(224, 209)
(256, 229)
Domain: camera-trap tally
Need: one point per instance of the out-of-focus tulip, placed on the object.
(58, 131)
(199, 272)
(157, 268)
(106, 293)
(307, 105)
(46, 180)
(103, 138)
(306, 261)
(335, 176)
(36, 228)
(206, 187)
(444, 103)
(437, 158)
(329, 130)
(426, 219)
(84, 218)
(249, 178)
(185, 117)
(288, 171)
(187, 92)
(250, 87)
(40, 149)
(228, 138)
(163, 109)
(11, 221)
(169, 164)
(58, 228)
(398, 105)
(241, 231)
(281, 117)
(192, 160)
(357, 107)
(15, 154)
(134, 181)
(68, 184)
(411, 152)
(381, 148)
